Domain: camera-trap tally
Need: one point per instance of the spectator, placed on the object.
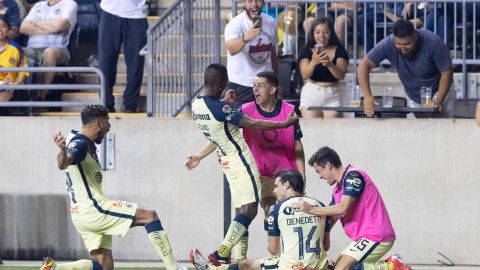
(122, 22)
(250, 49)
(341, 14)
(322, 70)
(10, 10)
(10, 57)
(441, 19)
(48, 26)
(477, 113)
(390, 13)
(421, 58)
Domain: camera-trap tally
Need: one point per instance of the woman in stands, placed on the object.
(323, 62)
(10, 57)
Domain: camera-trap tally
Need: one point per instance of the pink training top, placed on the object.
(368, 218)
(272, 149)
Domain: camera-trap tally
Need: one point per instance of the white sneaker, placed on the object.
(197, 259)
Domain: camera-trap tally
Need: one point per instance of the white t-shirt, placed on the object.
(131, 9)
(42, 11)
(256, 55)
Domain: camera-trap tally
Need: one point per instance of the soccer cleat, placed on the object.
(48, 264)
(397, 263)
(216, 260)
(197, 259)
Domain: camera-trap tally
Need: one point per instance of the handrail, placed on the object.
(54, 87)
(164, 15)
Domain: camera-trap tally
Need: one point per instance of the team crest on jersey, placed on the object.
(288, 211)
(98, 177)
(3, 10)
(226, 108)
(11, 60)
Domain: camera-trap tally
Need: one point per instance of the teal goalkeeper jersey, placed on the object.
(84, 175)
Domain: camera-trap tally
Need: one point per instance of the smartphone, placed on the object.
(319, 48)
(259, 20)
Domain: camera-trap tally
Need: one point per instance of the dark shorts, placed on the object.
(244, 94)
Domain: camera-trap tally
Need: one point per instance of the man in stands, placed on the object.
(421, 59)
(250, 49)
(95, 217)
(122, 22)
(48, 26)
(358, 204)
(296, 240)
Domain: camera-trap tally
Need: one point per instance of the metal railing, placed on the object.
(54, 87)
(456, 21)
(180, 45)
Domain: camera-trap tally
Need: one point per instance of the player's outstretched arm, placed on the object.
(248, 122)
(63, 158)
(194, 160)
(334, 210)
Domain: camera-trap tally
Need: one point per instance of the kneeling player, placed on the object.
(303, 235)
(95, 217)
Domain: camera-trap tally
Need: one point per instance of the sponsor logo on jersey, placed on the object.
(356, 181)
(11, 60)
(288, 211)
(117, 204)
(270, 220)
(225, 164)
(200, 116)
(128, 205)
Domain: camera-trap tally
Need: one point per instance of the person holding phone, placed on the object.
(250, 39)
(323, 62)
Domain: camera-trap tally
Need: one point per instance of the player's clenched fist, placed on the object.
(60, 140)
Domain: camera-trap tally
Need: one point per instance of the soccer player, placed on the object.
(359, 206)
(272, 150)
(95, 217)
(303, 239)
(220, 123)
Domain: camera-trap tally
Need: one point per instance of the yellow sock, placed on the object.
(240, 249)
(377, 266)
(77, 265)
(159, 240)
(234, 234)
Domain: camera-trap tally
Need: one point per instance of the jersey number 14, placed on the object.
(305, 246)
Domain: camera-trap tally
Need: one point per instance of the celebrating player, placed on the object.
(95, 217)
(220, 123)
(303, 237)
(272, 150)
(360, 208)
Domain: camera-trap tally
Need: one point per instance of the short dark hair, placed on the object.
(271, 79)
(214, 73)
(324, 155)
(92, 112)
(293, 177)
(403, 28)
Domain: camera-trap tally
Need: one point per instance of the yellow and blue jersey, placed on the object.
(219, 122)
(301, 234)
(12, 57)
